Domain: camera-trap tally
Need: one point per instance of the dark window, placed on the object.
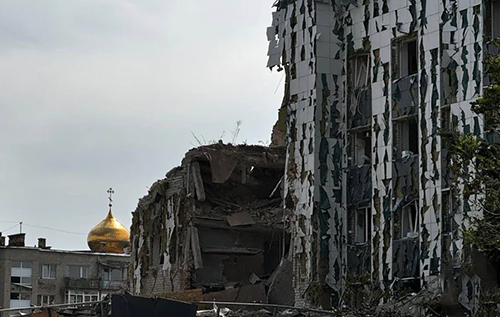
(404, 58)
(495, 16)
(362, 225)
(358, 223)
(360, 148)
(413, 136)
(405, 221)
(77, 271)
(112, 274)
(358, 82)
(405, 137)
(412, 57)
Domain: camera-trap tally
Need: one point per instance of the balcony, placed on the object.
(93, 284)
(82, 283)
(114, 285)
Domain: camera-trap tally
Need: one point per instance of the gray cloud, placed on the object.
(106, 93)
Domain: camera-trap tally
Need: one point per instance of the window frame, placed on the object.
(495, 24)
(401, 63)
(52, 268)
(82, 269)
(403, 214)
(22, 267)
(45, 299)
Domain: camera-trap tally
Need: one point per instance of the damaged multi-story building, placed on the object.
(214, 223)
(370, 84)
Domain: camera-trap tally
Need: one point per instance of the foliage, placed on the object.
(476, 163)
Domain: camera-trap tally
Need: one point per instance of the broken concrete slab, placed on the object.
(245, 294)
(240, 219)
(280, 285)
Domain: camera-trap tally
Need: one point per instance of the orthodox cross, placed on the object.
(110, 192)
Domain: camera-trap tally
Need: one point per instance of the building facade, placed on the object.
(41, 276)
(369, 87)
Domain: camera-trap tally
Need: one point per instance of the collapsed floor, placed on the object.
(217, 224)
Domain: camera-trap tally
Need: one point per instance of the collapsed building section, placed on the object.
(216, 222)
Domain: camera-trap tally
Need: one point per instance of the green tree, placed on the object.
(476, 163)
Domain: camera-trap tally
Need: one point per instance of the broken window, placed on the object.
(406, 221)
(405, 137)
(404, 58)
(359, 90)
(360, 148)
(359, 225)
(362, 228)
(445, 119)
(359, 71)
(20, 272)
(495, 23)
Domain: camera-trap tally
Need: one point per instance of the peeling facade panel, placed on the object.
(370, 85)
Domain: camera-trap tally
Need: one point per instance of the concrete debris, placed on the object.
(247, 293)
(280, 287)
(211, 224)
(240, 219)
(254, 279)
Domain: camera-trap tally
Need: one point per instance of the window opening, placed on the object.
(495, 23)
(361, 148)
(47, 271)
(406, 221)
(359, 225)
(78, 271)
(20, 300)
(20, 272)
(46, 299)
(406, 137)
(112, 274)
(359, 86)
(404, 58)
(81, 297)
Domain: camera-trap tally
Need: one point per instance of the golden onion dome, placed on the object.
(108, 236)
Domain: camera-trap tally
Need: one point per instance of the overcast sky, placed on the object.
(103, 93)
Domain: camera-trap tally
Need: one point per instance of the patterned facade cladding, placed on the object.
(292, 38)
(424, 66)
(332, 145)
